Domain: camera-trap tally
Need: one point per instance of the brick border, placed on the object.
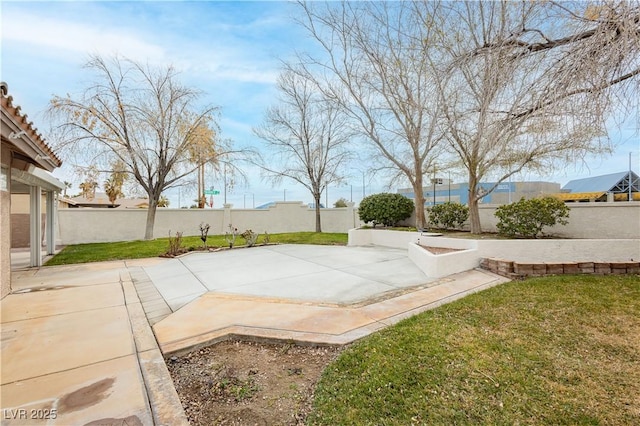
(515, 270)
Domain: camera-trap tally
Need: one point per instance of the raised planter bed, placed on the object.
(439, 261)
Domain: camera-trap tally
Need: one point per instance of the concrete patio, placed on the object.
(77, 340)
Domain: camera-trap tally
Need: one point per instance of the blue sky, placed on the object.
(229, 50)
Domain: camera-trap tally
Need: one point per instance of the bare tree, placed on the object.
(138, 115)
(530, 85)
(307, 136)
(373, 65)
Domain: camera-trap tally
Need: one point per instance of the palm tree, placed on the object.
(113, 190)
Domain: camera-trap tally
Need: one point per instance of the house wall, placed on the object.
(20, 220)
(5, 222)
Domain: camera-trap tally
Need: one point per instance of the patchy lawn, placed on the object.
(553, 350)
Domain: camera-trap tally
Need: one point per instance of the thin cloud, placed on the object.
(73, 38)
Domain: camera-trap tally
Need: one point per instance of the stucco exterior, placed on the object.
(27, 161)
(5, 222)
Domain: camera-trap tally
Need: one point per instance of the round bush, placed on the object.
(386, 209)
(448, 215)
(527, 218)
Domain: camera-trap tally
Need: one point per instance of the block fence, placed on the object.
(87, 225)
(586, 220)
(620, 220)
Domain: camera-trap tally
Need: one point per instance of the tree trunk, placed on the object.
(474, 214)
(421, 221)
(317, 200)
(151, 219)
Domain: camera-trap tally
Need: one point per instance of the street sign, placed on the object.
(211, 192)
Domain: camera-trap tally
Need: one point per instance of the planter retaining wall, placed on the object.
(514, 270)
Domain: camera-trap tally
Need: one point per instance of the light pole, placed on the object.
(434, 184)
(326, 194)
(630, 182)
(285, 194)
(225, 183)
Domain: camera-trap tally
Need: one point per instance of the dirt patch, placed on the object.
(248, 383)
(439, 250)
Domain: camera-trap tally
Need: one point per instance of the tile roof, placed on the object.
(27, 126)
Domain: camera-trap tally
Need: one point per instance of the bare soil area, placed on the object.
(249, 383)
(439, 250)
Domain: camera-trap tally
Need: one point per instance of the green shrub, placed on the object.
(448, 215)
(342, 202)
(526, 218)
(386, 209)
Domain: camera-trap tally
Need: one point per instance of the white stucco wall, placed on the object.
(442, 265)
(562, 250)
(545, 250)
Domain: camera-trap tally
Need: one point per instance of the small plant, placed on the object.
(527, 218)
(250, 237)
(448, 215)
(266, 238)
(204, 230)
(175, 244)
(386, 209)
(231, 235)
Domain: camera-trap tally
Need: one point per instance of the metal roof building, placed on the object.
(614, 182)
(596, 188)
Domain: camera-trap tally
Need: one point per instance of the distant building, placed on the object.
(614, 186)
(101, 200)
(445, 190)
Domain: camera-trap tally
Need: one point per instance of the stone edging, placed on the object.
(515, 270)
